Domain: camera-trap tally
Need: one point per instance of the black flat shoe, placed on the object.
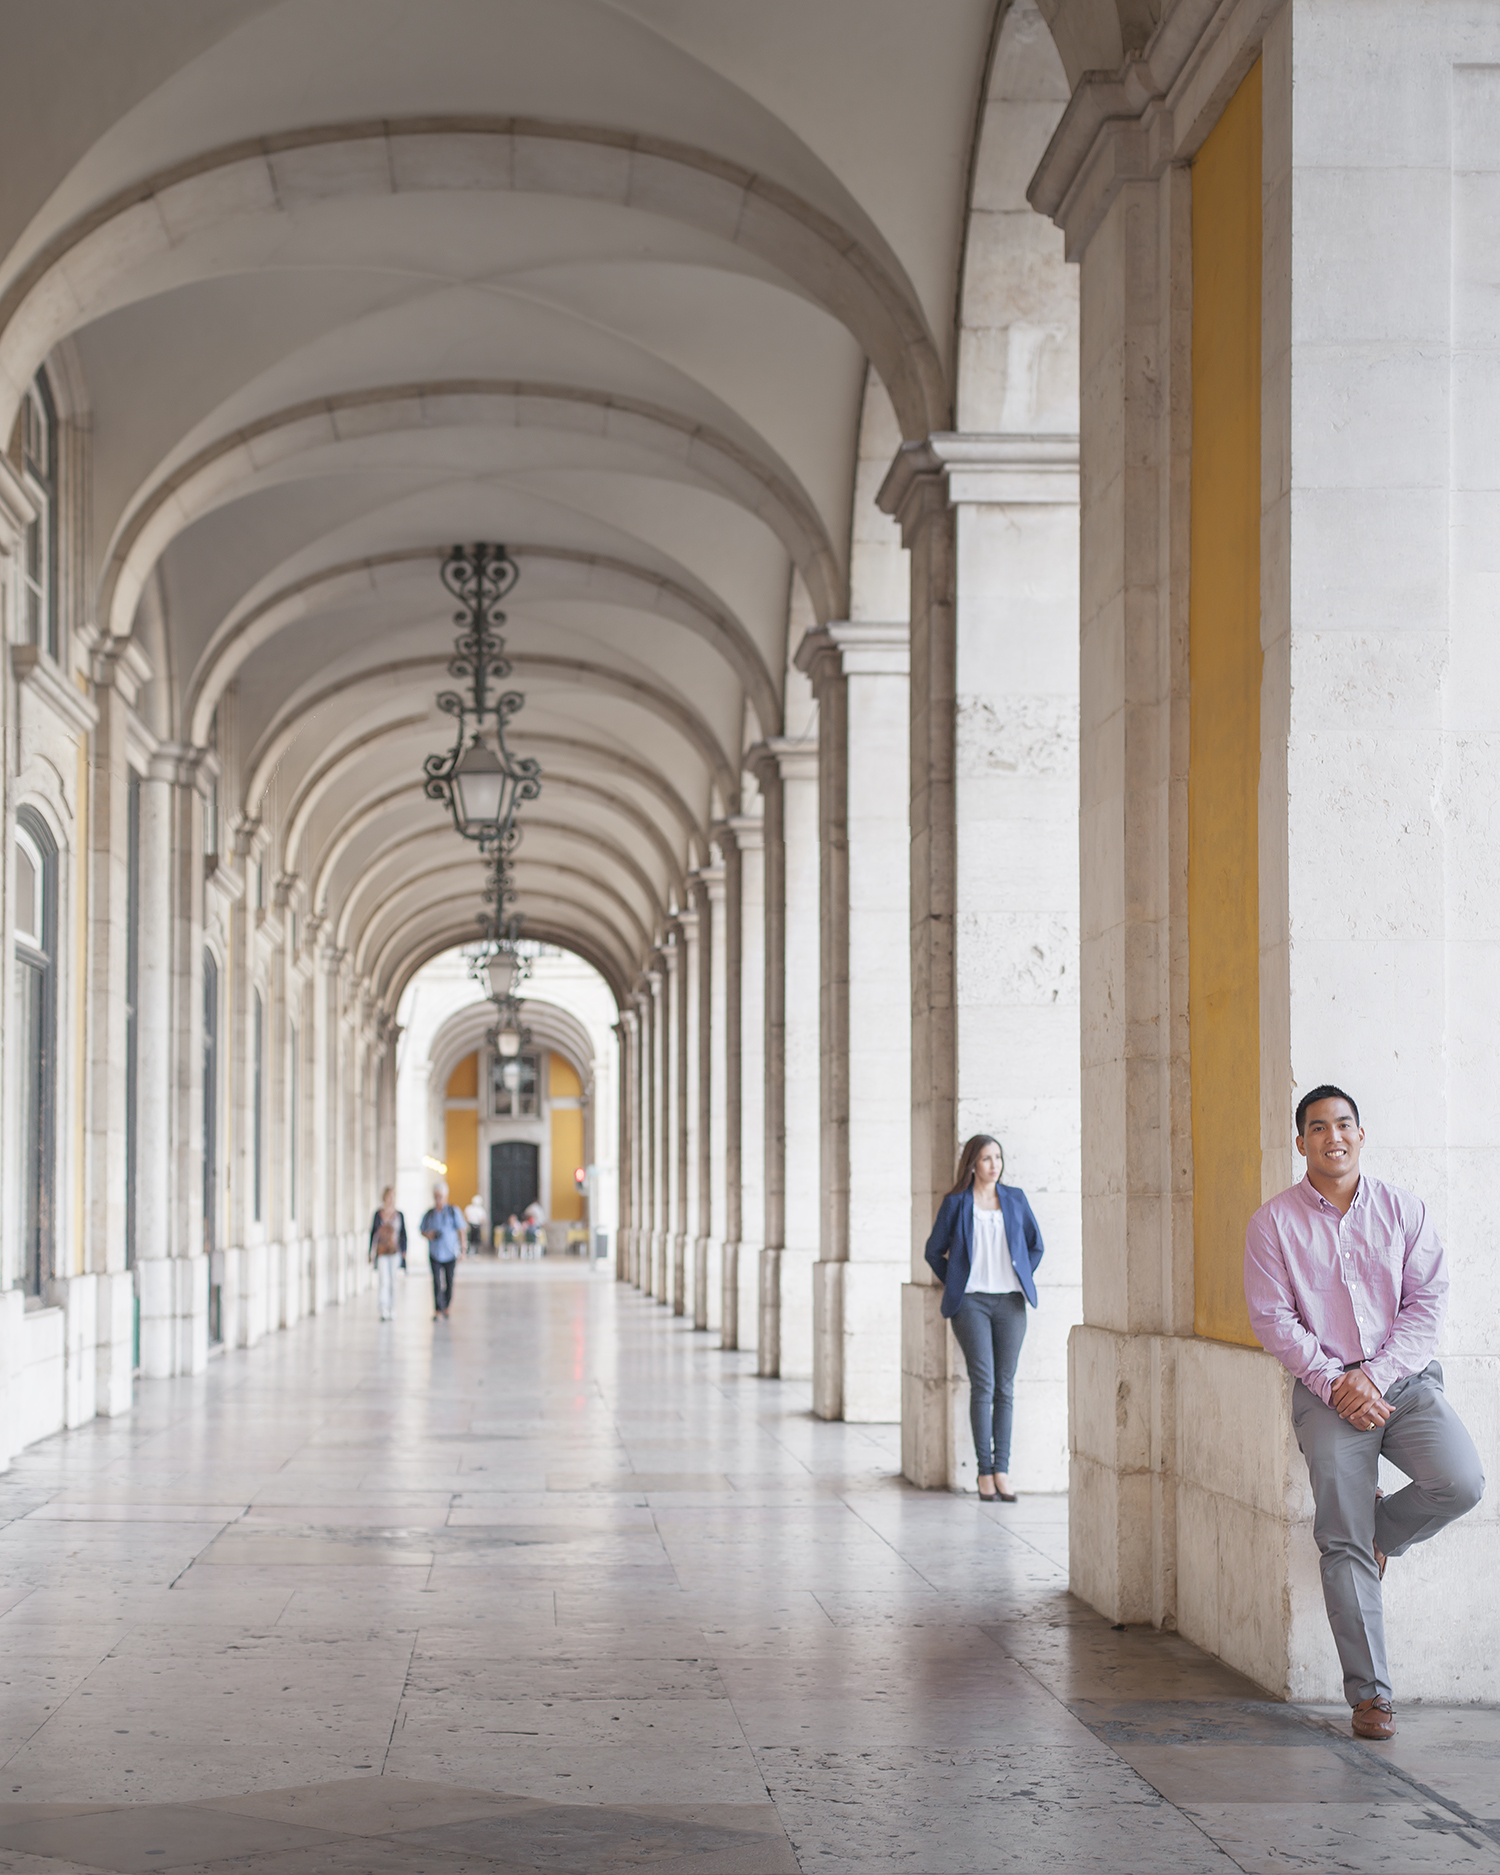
(989, 1497)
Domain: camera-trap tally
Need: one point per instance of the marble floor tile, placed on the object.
(152, 1836)
(1276, 1838)
(570, 1588)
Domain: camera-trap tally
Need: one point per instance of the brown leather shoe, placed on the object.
(1373, 1718)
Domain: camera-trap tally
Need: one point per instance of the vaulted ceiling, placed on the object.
(342, 282)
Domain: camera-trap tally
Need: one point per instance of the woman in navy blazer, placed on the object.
(984, 1249)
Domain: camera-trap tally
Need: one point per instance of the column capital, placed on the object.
(748, 831)
(792, 758)
(1155, 109)
(119, 664)
(864, 647)
(183, 765)
(953, 468)
(711, 878)
(819, 658)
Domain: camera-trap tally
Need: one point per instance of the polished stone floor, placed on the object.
(557, 1586)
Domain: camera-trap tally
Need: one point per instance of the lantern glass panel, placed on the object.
(478, 787)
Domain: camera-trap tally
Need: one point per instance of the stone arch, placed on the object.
(456, 931)
(671, 710)
(380, 970)
(206, 479)
(369, 879)
(83, 270)
(1017, 355)
(557, 781)
(467, 862)
(609, 580)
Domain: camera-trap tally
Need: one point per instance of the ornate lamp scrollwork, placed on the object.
(479, 781)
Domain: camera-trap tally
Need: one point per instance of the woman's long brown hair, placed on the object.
(963, 1178)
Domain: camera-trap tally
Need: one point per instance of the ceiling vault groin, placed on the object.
(212, 474)
(632, 305)
(602, 579)
(669, 708)
(82, 270)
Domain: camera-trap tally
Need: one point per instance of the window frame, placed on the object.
(36, 960)
(39, 557)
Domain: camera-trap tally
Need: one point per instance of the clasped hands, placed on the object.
(1355, 1397)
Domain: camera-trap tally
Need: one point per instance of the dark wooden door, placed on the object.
(515, 1177)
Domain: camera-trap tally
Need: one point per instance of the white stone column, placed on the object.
(646, 1126)
(646, 1119)
(742, 1261)
(793, 977)
(1009, 744)
(629, 1211)
(117, 676)
(1380, 550)
(860, 671)
(685, 1019)
(661, 1127)
(708, 1290)
(171, 1269)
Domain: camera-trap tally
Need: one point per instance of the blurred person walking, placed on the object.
(387, 1246)
(443, 1227)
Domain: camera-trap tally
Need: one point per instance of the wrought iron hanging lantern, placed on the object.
(479, 781)
(499, 965)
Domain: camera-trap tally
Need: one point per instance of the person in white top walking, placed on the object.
(984, 1249)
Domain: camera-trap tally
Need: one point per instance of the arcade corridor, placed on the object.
(561, 1586)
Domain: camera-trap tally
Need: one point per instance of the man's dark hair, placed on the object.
(1323, 1093)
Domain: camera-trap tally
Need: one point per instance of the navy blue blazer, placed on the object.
(950, 1248)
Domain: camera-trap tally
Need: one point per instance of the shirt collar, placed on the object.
(1316, 1198)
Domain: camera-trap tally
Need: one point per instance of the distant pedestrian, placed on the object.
(984, 1250)
(475, 1214)
(387, 1243)
(443, 1227)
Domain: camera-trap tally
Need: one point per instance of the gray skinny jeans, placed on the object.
(1426, 1439)
(990, 1328)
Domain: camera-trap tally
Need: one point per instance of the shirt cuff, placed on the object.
(1378, 1372)
(1321, 1382)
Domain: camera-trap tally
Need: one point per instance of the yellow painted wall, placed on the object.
(567, 1140)
(461, 1148)
(1224, 657)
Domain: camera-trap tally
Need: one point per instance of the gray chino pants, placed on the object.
(1426, 1439)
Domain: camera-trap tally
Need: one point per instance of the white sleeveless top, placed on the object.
(992, 1272)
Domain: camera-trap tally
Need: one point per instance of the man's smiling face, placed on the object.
(1331, 1138)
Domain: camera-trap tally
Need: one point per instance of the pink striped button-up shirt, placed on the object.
(1327, 1290)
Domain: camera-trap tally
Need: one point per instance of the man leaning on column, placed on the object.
(1347, 1284)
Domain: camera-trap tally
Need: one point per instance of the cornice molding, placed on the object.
(36, 672)
(873, 648)
(749, 832)
(1132, 124)
(951, 468)
(795, 757)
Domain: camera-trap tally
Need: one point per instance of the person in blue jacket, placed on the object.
(984, 1250)
(444, 1228)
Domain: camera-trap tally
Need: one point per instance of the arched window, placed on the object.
(36, 1032)
(39, 467)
